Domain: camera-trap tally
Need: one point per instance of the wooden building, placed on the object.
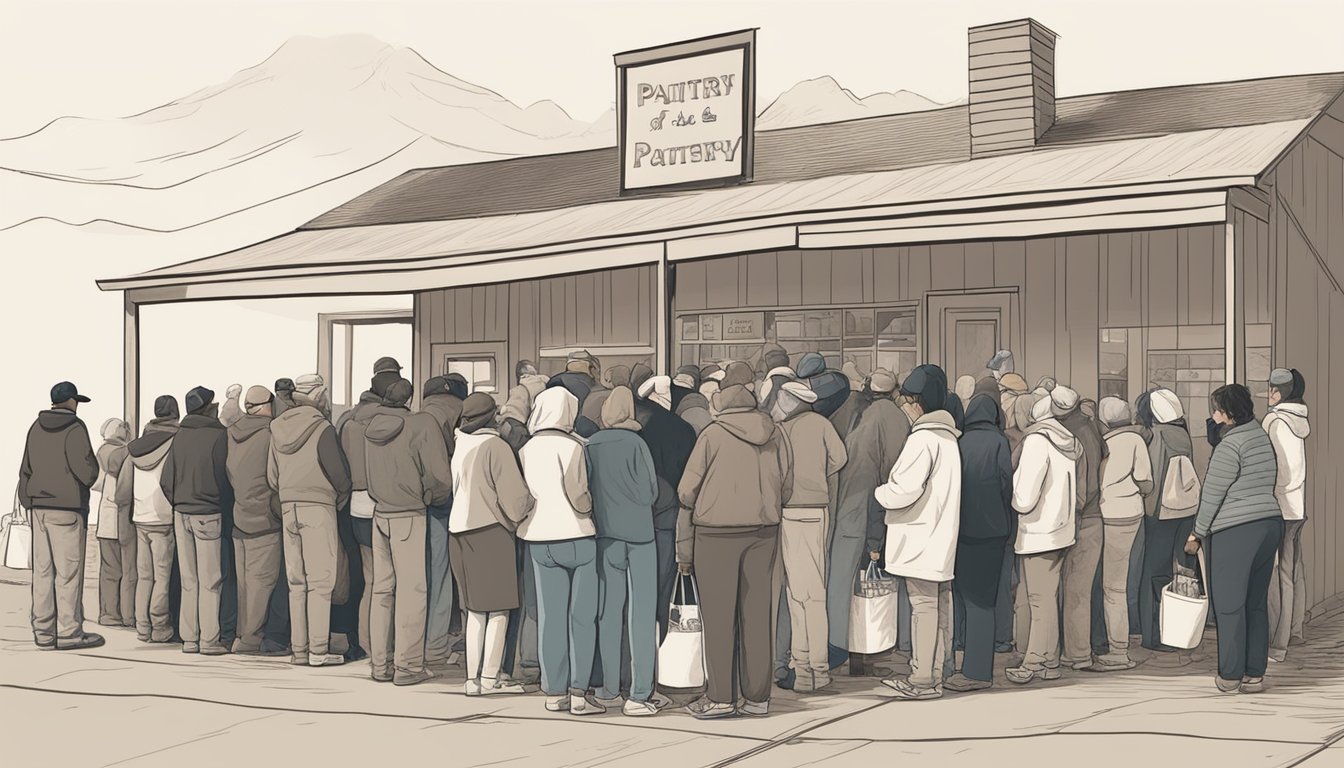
(1183, 236)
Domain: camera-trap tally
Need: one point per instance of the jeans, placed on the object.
(156, 548)
(310, 567)
(440, 584)
(666, 541)
(1003, 603)
(803, 544)
(258, 571)
(734, 570)
(397, 613)
(1241, 564)
(520, 640)
(199, 554)
(1164, 542)
(58, 574)
(117, 575)
(627, 584)
(567, 598)
(1038, 619)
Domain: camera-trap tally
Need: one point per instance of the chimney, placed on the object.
(1012, 86)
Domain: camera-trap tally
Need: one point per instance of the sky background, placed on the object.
(109, 59)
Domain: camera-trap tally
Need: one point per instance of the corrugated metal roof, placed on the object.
(1199, 155)
(858, 146)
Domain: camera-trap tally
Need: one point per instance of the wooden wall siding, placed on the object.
(1304, 261)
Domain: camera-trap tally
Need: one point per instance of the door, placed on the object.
(482, 364)
(965, 330)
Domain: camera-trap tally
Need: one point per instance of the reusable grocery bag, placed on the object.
(1185, 609)
(681, 657)
(16, 538)
(872, 612)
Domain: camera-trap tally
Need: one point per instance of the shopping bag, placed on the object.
(681, 657)
(1185, 609)
(17, 538)
(872, 612)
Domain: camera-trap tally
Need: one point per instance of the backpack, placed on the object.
(1180, 490)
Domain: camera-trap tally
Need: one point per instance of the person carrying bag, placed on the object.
(681, 657)
(872, 611)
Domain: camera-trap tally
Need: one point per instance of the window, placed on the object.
(1192, 375)
(1257, 376)
(1113, 368)
(478, 371)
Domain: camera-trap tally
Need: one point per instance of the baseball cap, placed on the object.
(386, 365)
(67, 391)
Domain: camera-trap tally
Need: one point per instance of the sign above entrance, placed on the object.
(687, 113)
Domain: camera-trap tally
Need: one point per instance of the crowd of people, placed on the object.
(544, 537)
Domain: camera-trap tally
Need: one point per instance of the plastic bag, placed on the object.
(872, 612)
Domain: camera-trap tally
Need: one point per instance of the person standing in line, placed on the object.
(256, 520)
(1287, 427)
(1126, 479)
(232, 410)
(489, 500)
(1143, 419)
(311, 479)
(830, 386)
(986, 525)
(1084, 557)
(872, 448)
(409, 471)
(561, 542)
(818, 455)
(922, 502)
(1045, 495)
(350, 431)
(58, 469)
(687, 402)
(579, 379)
(196, 482)
(520, 644)
(152, 515)
(859, 397)
(1001, 364)
(116, 536)
(284, 397)
(624, 487)
(1166, 527)
(439, 400)
(728, 532)
(311, 389)
(1240, 526)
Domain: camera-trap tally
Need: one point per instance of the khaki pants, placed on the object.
(930, 630)
(365, 600)
(400, 595)
(1287, 591)
(803, 536)
(200, 559)
(310, 566)
(733, 568)
(258, 560)
(155, 548)
(1079, 575)
(1120, 535)
(117, 575)
(1038, 615)
(58, 575)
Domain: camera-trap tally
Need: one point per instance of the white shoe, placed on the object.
(489, 687)
(640, 708)
(585, 705)
(557, 703)
(472, 688)
(327, 660)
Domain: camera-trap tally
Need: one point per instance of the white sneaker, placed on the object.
(489, 687)
(640, 709)
(585, 705)
(755, 708)
(326, 660)
(557, 703)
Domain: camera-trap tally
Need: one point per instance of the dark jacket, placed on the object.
(670, 440)
(256, 506)
(195, 479)
(351, 432)
(872, 446)
(59, 465)
(986, 473)
(850, 411)
(446, 408)
(407, 461)
(624, 485)
(1088, 432)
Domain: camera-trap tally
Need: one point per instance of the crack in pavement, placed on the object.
(203, 737)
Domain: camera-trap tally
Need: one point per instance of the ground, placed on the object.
(136, 705)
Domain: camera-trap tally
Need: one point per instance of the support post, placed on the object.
(1232, 309)
(663, 319)
(131, 362)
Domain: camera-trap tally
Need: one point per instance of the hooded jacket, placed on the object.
(1045, 485)
(488, 487)
(693, 409)
(147, 452)
(832, 387)
(621, 476)
(556, 472)
(1170, 439)
(1089, 437)
(353, 425)
(407, 462)
(256, 508)
(986, 473)
(306, 464)
(194, 478)
(114, 491)
(872, 448)
(58, 465)
(513, 417)
(446, 408)
(1240, 486)
(739, 474)
(1287, 427)
(670, 440)
(1126, 474)
(922, 499)
(775, 379)
(817, 454)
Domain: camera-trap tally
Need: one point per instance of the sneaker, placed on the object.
(161, 639)
(142, 638)
(1278, 656)
(704, 709)
(963, 684)
(498, 687)
(1100, 664)
(1227, 686)
(214, 650)
(411, 678)
(660, 701)
(640, 709)
(1253, 685)
(325, 659)
(904, 690)
(191, 647)
(84, 641)
(383, 677)
(585, 704)
(1076, 664)
(355, 653)
(789, 680)
(1023, 675)
(557, 703)
(755, 708)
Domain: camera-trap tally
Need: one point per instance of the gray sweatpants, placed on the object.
(930, 630)
(1079, 574)
(734, 568)
(258, 560)
(117, 576)
(1287, 591)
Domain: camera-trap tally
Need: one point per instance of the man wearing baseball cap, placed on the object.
(58, 469)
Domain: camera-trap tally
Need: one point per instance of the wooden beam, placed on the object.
(131, 363)
(662, 307)
(1251, 200)
(1232, 310)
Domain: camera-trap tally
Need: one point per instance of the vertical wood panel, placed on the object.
(1182, 276)
(847, 276)
(1162, 277)
(1199, 284)
(1010, 263)
(887, 274)
(741, 280)
(867, 274)
(1083, 277)
(979, 262)
(639, 305)
(948, 262)
(690, 285)
(721, 283)
(789, 265)
(462, 312)
(1063, 333)
(523, 305)
(478, 310)
(762, 279)
(1219, 271)
(1038, 304)
(585, 316)
(816, 277)
(920, 279)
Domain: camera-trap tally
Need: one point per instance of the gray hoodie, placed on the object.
(306, 463)
(407, 462)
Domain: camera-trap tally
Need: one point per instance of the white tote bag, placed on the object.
(17, 535)
(872, 612)
(681, 657)
(1183, 617)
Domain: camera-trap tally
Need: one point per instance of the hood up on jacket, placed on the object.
(738, 414)
(1044, 423)
(1295, 416)
(556, 408)
(982, 411)
(116, 432)
(618, 412)
(292, 429)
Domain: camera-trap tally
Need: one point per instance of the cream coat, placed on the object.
(1287, 426)
(1044, 488)
(556, 472)
(1126, 475)
(922, 498)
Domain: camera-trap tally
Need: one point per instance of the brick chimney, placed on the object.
(1012, 86)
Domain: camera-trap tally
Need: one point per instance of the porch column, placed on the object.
(131, 362)
(662, 321)
(1234, 313)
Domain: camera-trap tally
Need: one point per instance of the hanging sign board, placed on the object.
(686, 113)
